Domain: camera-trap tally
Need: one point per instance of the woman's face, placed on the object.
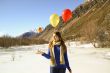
(55, 37)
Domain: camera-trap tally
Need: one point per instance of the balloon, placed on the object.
(66, 15)
(40, 29)
(54, 20)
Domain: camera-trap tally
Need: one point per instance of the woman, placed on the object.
(57, 53)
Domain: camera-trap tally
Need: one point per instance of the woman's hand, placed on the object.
(70, 71)
(39, 52)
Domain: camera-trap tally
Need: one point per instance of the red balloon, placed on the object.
(66, 15)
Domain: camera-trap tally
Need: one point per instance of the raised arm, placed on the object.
(47, 55)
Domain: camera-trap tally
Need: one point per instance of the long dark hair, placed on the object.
(60, 39)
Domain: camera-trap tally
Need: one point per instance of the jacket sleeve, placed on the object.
(66, 61)
(47, 55)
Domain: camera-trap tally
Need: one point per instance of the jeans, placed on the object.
(57, 70)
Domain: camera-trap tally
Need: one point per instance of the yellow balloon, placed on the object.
(54, 20)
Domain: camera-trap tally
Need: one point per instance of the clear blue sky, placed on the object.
(19, 16)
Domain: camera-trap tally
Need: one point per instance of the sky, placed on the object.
(19, 16)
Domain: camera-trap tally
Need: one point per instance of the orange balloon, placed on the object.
(40, 29)
(66, 15)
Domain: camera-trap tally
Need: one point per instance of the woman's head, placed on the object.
(57, 36)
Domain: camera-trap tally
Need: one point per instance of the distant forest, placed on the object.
(7, 41)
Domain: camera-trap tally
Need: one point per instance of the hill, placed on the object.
(90, 22)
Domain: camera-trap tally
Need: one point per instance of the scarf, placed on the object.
(52, 59)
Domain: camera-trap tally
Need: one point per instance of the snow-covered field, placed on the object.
(83, 59)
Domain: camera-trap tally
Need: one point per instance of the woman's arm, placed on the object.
(47, 55)
(66, 61)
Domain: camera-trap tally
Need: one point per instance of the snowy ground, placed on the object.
(83, 59)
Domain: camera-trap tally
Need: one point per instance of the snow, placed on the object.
(80, 45)
(84, 58)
